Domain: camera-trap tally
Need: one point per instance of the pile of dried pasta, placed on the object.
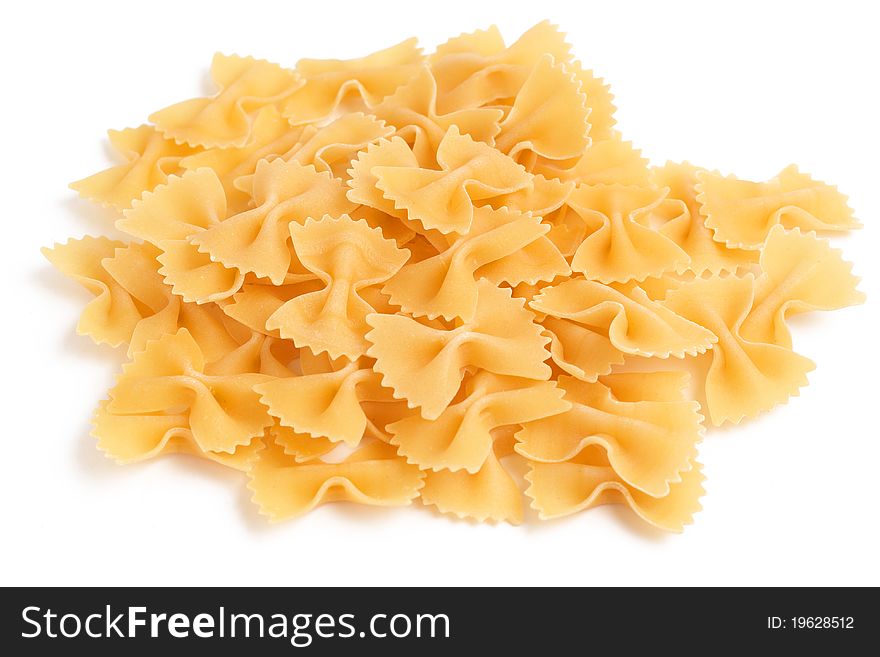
(444, 277)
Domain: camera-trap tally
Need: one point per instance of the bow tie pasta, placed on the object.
(442, 277)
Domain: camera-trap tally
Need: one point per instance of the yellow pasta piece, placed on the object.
(372, 475)
(245, 85)
(799, 273)
(301, 446)
(742, 212)
(412, 109)
(648, 442)
(133, 438)
(256, 302)
(444, 200)
(325, 405)
(461, 437)
(256, 241)
(543, 197)
(745, 377)
(604, 162)
(169, 217)
(549, 115)
(686, 226)
(560, 489)
(347, 256)
(502, 246)
(476, 69)
(150, 159)
(489, 494)
(619, 246)
(593, 325)
(331, 148)
(329, 81)
(424, 364)
(600, 100)
(222, 411)
(385, 153)
(113, 314)
(271, 137)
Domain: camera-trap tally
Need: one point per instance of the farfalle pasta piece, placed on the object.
(593, 325)
(329, 81)
(444, 200)
(476, 69)
(394, 152)
(648, 442)
(245, 85)
(132, 304)
(560, 489)
(256, 302)
(741, 212)
(223, 412)
(548, 117)
(257, 240)
(502, 246)
(373, 474)
(347, 256)
(600, 101)
(301, 446)
(604, 162)
(687, 228)
(543, 197)
(619, 246)
(271, 136)
(424, 365)
(129, 438)
(489, 494)
(169, 217)
(745, 378)
(332, 147)
(799, 273)
(113, 314)
(461, 437)
(412, 109)
(325, 405)
(150, 159)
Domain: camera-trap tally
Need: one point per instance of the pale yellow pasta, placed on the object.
(257, 240)
(502, 246)
(560, 489)
(461, 436)
(446, 277)
(745, 377)
(742, 212)
(347, 256)
(799, 273)
(548, 117)
(329, 81)
(619, 244)
(150, 159)
(593, 326)
(412, 109)
(491, 493)
(372, 475)
(444, 200)
(245, 85)
(326, 405)
(648, 442)
(686, 226)
(424, 364)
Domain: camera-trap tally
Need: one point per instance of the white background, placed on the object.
(745, 87)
